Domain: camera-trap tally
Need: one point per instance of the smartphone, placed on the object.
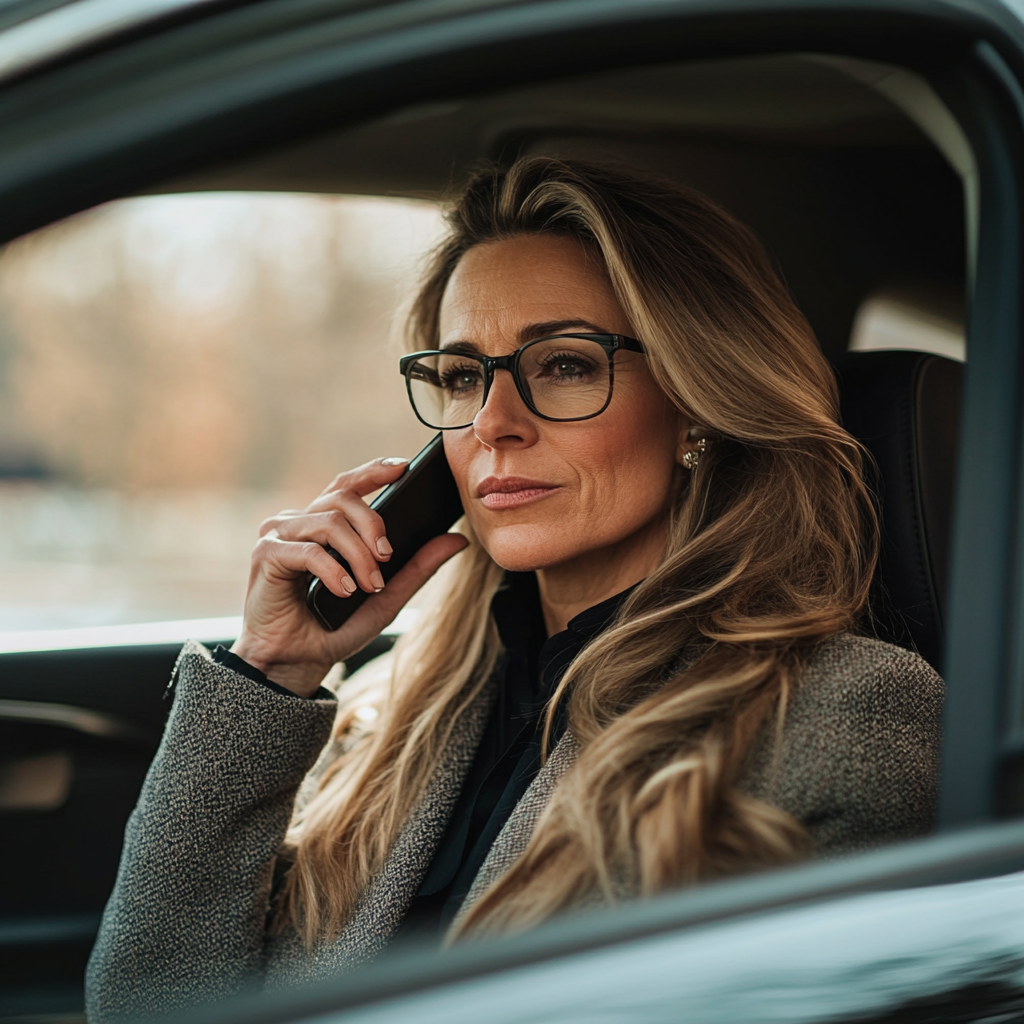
(420, 505)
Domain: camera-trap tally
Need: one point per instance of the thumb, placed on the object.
(423, 565)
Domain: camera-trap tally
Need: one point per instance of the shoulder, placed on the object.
(857, 758)
(848, 673)
(858, 692)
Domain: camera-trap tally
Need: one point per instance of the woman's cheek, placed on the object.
(478, 520)
(458, 463)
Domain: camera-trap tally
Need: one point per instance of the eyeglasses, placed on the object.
(565, 377)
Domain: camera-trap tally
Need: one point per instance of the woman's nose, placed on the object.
(504, 420)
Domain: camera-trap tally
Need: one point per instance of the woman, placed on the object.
(639, 671)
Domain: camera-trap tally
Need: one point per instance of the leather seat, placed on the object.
(905, 408)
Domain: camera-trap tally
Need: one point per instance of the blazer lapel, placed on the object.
(387, 897)
(515, 836)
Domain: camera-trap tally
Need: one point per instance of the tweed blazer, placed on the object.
(186, 923)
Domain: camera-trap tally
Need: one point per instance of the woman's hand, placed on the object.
(279, 635)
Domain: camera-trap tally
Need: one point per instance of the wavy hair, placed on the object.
(772, 545)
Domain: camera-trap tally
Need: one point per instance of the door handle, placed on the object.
(82, 720)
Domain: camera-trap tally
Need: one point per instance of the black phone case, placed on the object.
(420, 505)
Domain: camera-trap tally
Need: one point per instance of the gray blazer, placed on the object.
(186, 923)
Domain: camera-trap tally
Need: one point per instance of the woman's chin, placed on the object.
(523, 549)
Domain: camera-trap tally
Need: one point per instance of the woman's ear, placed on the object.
(689, 433)
(684, 426)
(682, 448)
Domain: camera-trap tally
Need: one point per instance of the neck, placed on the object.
(573, 587)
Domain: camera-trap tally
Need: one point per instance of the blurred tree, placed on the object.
(211, 341)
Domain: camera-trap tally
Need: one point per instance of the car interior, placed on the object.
(861, 185)
(853, 197)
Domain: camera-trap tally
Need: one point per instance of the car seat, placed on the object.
(905, 408)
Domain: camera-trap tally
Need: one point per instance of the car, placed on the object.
(877, 147)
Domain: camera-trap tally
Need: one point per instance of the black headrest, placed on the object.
(905, 408)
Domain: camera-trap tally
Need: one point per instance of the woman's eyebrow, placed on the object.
(543, 330)
(461, 346)
(529, 333)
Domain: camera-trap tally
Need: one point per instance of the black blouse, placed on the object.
(508, 757)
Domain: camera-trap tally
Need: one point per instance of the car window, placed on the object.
(175, 368)
(922, 319)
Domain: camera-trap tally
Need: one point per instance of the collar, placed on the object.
(517, 612)
(520, 621)
(596, 619)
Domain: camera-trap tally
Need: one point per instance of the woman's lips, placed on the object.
(511, 492)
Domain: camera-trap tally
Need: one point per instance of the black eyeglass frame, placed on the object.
(611, 343)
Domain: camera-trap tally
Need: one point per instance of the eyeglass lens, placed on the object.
(564, 378)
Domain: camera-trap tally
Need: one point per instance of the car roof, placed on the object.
(34, 33)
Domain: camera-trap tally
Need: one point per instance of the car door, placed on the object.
(367, 98)
(872, 939)
(77, 730)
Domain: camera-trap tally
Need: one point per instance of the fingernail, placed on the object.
(348, 584)
(377, 580)
(394, 461)
(383, 547)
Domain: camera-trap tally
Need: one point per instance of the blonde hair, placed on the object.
(773, 543)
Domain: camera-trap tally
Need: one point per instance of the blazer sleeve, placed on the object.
(186, 922)
(859, 759)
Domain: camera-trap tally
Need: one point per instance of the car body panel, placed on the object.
(907, 880)
(69, 27)
(851, 959)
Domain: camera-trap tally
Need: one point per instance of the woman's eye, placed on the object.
(567, 368)
(459, 379)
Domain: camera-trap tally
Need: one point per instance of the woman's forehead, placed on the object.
(518, 287)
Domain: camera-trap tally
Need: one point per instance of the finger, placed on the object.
(334, 529)
(381, 610)
(368, 477)
(367, 524)
(290, 559)
(425, 563)
(273, 522)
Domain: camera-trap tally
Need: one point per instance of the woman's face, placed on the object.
(540, 494)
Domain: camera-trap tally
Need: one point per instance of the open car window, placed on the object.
(173, 369)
